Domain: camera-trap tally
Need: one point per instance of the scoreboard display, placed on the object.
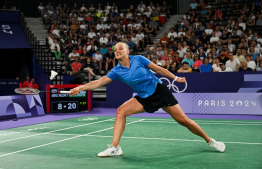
(63, 102)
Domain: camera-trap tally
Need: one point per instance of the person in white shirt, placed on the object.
(83, 25)
(215, 66)
(141, 40)
(74, 54)
(98, 58)
(208, 30)
(55, 45)
(181, 32)
(89, 46)
(147, 12)
(91, 34)
(172, 33)
(107, 26)
(223, 68)
(137, 25)
(180, 51)
(103, 39)
(214, 39)
(234, 64)
(250, 63)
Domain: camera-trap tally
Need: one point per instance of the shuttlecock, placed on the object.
(53, 74)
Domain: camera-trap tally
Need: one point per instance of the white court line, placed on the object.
(204, 121)
(233, 124)
(169, 139)
(64, 140)
(56, 130)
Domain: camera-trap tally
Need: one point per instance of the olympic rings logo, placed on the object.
(174, 87)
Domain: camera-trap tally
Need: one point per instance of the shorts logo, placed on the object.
(174, 87)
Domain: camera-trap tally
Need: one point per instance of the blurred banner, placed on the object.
(20, 106)
(205, 93)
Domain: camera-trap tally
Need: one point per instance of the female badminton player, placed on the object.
(152, 94)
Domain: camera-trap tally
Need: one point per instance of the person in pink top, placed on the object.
(197, 63)
(76, 65)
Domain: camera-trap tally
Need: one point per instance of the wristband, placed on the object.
(176, 78)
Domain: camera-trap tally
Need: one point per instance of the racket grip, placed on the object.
(64, 92)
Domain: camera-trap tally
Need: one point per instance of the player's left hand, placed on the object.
(181, 80)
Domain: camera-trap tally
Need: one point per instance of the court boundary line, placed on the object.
(4, 141)
(70, 138)
(170, 139)
(236, 124)
(204, 120)
(152, 138)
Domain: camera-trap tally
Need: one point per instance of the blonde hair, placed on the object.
(125, 45)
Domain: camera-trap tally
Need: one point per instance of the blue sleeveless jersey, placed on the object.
(138, 76)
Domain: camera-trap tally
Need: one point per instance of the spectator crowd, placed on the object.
(213, 36)
(85, 36)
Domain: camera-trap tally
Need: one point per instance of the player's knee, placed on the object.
(120, 112)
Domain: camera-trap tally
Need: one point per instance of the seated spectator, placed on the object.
(239, 55)
(160, 50)
(197, 63)
(193, 5)
(206, 67)
(233, 63)
(231, 46)
(214, 38)
(92, 44)
(218, 15)
(202, 55)
(250, 63)
(259, 68)
(235, 38)
(223, 68)
(223, 58)
(89, 67)
(208, 30)
(164, 39)
(33, 84)
(73, 55)
(98, 59)
(215, 66)
(259, 21)
(148, 51)
(253, 53)
(91, 34)
(140, 39)
(55, 48)
(244, 67)
(84, 55)
(210, 15)
(170, 63)
(161, 61)
(172, 33)
(76, 65)
(188, 59)
(76, 79)
(185, 68)
(103, 39)
(110, 59)
(104, 50)
(27, 82)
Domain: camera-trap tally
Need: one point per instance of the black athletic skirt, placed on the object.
(160, 98)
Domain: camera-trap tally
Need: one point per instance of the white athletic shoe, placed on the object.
(219, 146)
(111, 151)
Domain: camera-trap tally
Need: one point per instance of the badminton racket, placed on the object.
(32, 91)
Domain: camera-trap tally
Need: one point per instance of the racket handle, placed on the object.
(64, 92)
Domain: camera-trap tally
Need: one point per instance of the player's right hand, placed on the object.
(74, 91)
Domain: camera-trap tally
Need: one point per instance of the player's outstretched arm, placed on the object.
(165, 72)
(91, 85)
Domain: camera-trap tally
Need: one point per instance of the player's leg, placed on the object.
(107, 64)
(131, 106)
(178, 114)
